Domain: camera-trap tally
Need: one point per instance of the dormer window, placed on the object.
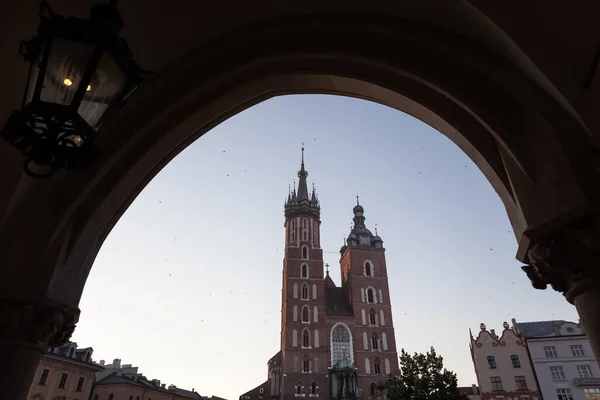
(365, 240)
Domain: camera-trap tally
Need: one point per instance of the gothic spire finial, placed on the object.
(357, 203)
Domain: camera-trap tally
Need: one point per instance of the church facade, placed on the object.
(336, 342)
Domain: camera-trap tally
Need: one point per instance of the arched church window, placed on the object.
(376, 366)
(368, 269)
(292, 231)
(299, 387)
(374, 341)
(304, 271)
(341, 341)
(313, 388)
(295, 290)
(305, 252)
(305, 291)
(305, 315)
(304, 229)
(373, 389)
(372, 317)
(370, 295)
(306, 338)
(295, 366)
(306, 364)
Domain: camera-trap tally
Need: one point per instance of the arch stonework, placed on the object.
(475, 72)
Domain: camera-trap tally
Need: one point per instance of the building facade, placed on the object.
(336, 342)
(502, 365)
(563, 360)
(472, 392)
(65, 372)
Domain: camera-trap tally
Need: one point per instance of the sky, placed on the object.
(188, 284)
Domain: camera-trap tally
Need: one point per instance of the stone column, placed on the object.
(569, 261)
(27, 330)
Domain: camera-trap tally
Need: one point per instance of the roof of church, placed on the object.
(336, 302)
(329, 283)
(276, 359)
(256, 393)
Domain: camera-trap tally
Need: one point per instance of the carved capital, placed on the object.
(38, 324)
(567, 260)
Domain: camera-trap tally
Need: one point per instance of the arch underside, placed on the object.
(478, 99)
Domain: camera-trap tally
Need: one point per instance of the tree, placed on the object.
(423, 377)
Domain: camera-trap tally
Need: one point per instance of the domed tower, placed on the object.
(365, 282)
(303, 335)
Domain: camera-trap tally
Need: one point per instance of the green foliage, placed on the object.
(423, 377)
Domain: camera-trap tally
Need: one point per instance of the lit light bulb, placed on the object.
(68, 82)
(89, 87)
(77, 139)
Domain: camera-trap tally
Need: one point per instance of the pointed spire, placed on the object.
(302, 174)
(357, 203)
(376, 230)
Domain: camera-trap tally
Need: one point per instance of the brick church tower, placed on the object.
(336, 342)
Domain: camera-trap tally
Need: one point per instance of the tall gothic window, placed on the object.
(304, 229)
(372, 317)
(374, 341)
(370, 295)
(313, 388)
(341, 344)
(368, 269)
(376, 366)
(298, 387)
(292, 231)
(306, 364)
(304, 291)
(304, 271)
(373, 389)
(306, 338)
(305, 315)
(305, 252)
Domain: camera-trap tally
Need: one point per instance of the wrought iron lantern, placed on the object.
(80, 71)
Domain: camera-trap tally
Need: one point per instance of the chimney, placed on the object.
(102, 362)
(493, 332)
(162, 386)
(514, 324)
(475, 389)
(117, 363)
(556, 330)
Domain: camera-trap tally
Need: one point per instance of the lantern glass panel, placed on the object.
(106, 86)
(67, 64)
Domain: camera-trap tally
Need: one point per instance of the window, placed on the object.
(584, 371)
(44, 377)
(292, 231)
(376, 366)
(372, 318)
(306, 338)
(491, 362)
(305, 315)
(368, 269)
(515, 361)
(110, 396)
(577, 350)
(374, 341)
(261, 390)
(570, 330)
(496, 383)
(304, 292)
(130, 397)
(304, 229)
(558, 374)
(521, 382)
(313, 388)
(564, 394)
(373, 389)
(299, 388)
(304, 272)
(592, 394)
(80, 384)
(305, 252)
(550, 351)
(96, 397)
(63, 381)
(306, 364)
(370, 295)
(341, 349)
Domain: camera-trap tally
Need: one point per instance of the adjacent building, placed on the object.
(472, 392)
(336, 342)
(502, 365)
(65, 372)
(563, 360)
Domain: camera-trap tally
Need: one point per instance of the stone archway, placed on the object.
(530, 144)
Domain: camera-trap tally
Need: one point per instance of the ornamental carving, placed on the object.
(567, 260)
(39, 324)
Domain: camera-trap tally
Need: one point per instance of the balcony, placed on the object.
(579, 382)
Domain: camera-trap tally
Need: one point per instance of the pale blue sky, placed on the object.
(188, 284)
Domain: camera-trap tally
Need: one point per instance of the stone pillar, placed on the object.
(27, 330)
(569, 261)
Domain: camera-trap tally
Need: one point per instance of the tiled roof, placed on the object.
(115, 379)
(539, 328)
(328, 282)
(255, 393)
(336, 302)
